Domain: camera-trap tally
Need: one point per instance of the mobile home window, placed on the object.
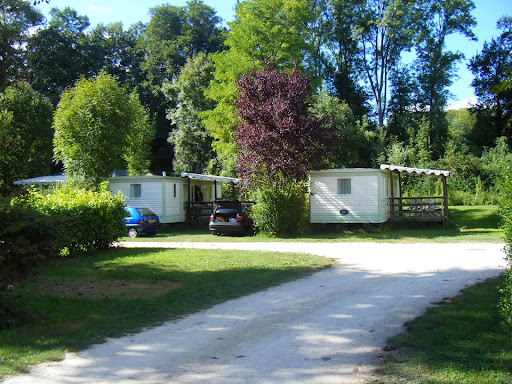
(174, 190)
(344, 186)
(135, 190)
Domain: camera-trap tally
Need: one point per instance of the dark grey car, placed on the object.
(230, 216)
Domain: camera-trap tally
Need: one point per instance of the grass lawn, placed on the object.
(81, 301)
(459, 341)
(476, 223)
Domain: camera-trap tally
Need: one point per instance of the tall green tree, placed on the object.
(25, 135)
(191, 142)
(117, 52)
(345, 54)
(435, 65)
(275, 31)
(100, 128)
(173, 34)
(402, 123)
(491, 68)
(17, 17)
(384, 29)
(353, 143)
(320, 26)
(61, 53)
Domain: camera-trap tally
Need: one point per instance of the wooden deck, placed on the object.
(199, 210)
(432, 209)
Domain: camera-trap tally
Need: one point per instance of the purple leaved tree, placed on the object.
(278, 138)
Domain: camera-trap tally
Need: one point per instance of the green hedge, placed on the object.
(88, 220)
(27, 239)
(506, 223)
(280, 210)
(45, 224)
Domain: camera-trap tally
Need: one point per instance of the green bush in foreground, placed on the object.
(88, 220)
(43, 224)
(27, 239)
(506, 223)
(280, 210)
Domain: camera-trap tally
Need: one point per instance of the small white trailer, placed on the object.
(368, 195)
(173, 199)
(349, 195)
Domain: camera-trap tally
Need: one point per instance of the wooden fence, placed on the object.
(418, 208)
(199, 210)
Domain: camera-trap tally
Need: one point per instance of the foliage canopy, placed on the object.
(25, 135)
(278, 134)
(100, 128)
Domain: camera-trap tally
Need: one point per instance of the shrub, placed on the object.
(27, 239)
(39, 226)
(88, 220)
(11, 313)
(280, 210)
(506, 223)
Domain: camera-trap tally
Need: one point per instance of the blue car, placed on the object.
(141, 220)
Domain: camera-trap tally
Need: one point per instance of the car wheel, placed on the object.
(133, 233)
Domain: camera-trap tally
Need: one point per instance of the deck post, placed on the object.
(391, 199)
(188, 199)
(399, 192)
(445, 200)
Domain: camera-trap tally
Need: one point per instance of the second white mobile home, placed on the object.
(364, 195)
(350, 195)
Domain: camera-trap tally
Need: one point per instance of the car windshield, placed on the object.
(228, 204)
(145, 212)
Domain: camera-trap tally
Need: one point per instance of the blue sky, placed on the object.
(487, 13)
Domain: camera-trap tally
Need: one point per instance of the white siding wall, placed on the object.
(174, 208)
(383, 197)
(366, 204)
(156, 194)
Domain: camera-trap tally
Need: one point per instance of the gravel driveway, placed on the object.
(326, 328)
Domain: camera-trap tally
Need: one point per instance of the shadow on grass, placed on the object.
(82, 301)
(366, 304)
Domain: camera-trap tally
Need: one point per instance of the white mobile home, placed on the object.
(173, 199)
(363, 195)
(349, 195)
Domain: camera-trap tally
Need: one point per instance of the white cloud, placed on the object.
(464, 104)
(97, 8)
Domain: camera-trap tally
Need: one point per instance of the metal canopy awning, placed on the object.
(193, 207)
(422, 208)
(198, 176)
(415, 171)
(42, 180)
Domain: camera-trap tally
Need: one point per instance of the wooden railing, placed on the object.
(419, 208)
(199, 210)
